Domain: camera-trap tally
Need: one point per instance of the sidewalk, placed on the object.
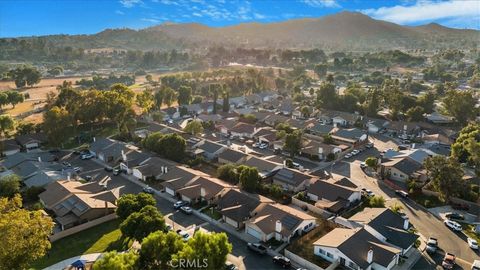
(61, 265)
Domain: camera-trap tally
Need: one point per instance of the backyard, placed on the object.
(101, 238)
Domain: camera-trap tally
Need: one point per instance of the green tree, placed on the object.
(460, 105)
(372, 102)
(158, 249)
(14, 98)
(140, 224)
(293, 142)
(145, 100)
(320, 70)
(130, 203)
(371, 162)
(23, 234)
(415, 114)
(427, 102)
(327, 96)
(249, 178)
(445, 175)
(9, 185)
(467, 146)
(228, 173)
(25, 76)
(376, 202)
(115, 260)
(54, 122)
(226, 98)
(168, 96)
(184, 95)
(7, 123)
(172, 146)
(194, 127)
(212, 247)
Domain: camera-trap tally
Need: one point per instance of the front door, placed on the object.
(342, 261)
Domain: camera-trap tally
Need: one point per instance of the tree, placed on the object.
(130, 203)
(14, 98)
(214, 89)
(376, 202)
(320, 70)
(158, 249)
(54, 122)
(228, 173)
(371, 162)
(6, 124)
(327, 96)
(293, 142)
(172, 146)
(23, 234)
(372, 102)
(460, 105)
(115, 260)
(157, 117)
(184, 95)
(467, 146)
(145, 100)
(9, 185)
(445, 174)
(210, 250)
(427, 102)
(226, 99)
(328, 139)
(140, 224)
(415, 114)
(306, 111)
(25, 76)
(194, 127)
(249, 178)
(396, 208)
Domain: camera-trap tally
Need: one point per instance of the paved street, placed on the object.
(425, 222)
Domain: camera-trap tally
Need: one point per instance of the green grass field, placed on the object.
(101, 238)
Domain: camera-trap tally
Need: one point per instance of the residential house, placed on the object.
(437, 118)
(132, 159)
(337, 118)
(224, 125)
(314, 148)
(352, 136)
(231, 156)
(387, 226)
(108, 150)
(331, 196)
(9, 147)
(376, 125)
(151, 168)
(261, 115)
(292, 180)
(265, 168)
(178, 177)
(202, 189)
(274, 119)
(286, 107)
(243, 130)
(208, 117)
(399, 168)
(74, 203)
(279, 222)
(208, 149)
(356, 249)
(265, 135)
(319, 129)
(236, 206)
(31, 141)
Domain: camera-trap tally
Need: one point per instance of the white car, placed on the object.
(185, 236)
(453, 225)
(348, 155)
(355, 152)
(263, 146)
(472, 243)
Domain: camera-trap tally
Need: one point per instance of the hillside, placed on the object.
(341, 31)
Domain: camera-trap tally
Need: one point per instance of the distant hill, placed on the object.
(344, 30)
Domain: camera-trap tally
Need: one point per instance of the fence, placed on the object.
(301, 261)
(82, 227)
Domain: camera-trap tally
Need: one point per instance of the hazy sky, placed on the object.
(42, 17)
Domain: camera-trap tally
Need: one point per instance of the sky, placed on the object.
(46, 17)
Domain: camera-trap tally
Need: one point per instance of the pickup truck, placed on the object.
(448, 261)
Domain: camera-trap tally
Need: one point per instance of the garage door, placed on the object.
(185, 198)
(254, 233)
(170, 191)
(231, 222)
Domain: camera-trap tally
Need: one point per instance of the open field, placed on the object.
(101, 238)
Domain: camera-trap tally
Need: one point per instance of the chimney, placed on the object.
(166, 169)
(202, 192)
(124, 157)
(406, 223)
(94, 140)
(39, 159)
(161, 169)
(370, 255)
(68, 177)
(320, 150)
(278, 226)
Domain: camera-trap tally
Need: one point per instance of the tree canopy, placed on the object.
(140, 224)
(130, 203)
(115, 260)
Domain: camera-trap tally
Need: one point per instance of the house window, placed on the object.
(395, 174)
(321, 251)
(352, 265)
(401, 176)
(330, 255)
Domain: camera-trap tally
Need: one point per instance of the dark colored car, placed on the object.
(401, 193)
(282, 260)
(109, 169)
(259, 248)
(456, 216)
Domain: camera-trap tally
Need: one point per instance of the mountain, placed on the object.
(341, 31)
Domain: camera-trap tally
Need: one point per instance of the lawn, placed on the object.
(101, 238)
(427, 201)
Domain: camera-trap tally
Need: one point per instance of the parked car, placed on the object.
(116, 171)
(475, 265)
(363, 165)
(109, 169)
(282, 260)
(179, 204)
(168, 228)
(368, 192)
(88, 178)
(355, 152)
(86, 156)
(77, 169)
(186, 209)
(369, 145)
(230, 266)
(185, 236)
(263, 146)
(453, 225)
(454, 215)
(472, 243)
(259, 248)
(432, 245)
(148, 190)
(448, 261)
(348, 155)
(401, 193)
(66, 164)
(256, 145)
